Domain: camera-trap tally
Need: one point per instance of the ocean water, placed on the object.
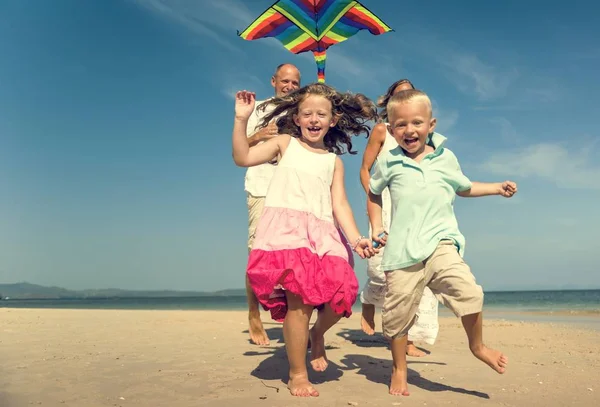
(573, 302)
(572, 307)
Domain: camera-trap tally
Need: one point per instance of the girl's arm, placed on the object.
(243, 154)
(376, 140)
(343, 213)
(506, 189)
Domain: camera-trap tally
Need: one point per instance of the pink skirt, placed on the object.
(295, 251)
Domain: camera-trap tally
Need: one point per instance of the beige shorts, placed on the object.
(255, 208)
(448, 277)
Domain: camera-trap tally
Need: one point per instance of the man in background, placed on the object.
(285, 80)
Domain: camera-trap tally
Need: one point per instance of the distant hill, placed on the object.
(33, 291)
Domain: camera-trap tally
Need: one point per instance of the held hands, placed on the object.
(508, 189)
(244, 104)
(379, 237)
(364, 248)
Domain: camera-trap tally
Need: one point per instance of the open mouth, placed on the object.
(412, 141)
(314, 130)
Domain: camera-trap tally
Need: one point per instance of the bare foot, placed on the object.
(412, 350)
(258, 336)
(398, 384)
(493, 358)
(367, 319)
(300, 386)
(318, 359)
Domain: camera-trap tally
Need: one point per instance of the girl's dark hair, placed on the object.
(352, 111)
(384, 99)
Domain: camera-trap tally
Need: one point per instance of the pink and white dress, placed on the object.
(298, 247)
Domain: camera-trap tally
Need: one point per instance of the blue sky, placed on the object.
(116, 118)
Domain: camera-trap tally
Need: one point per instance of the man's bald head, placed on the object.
(285, 79)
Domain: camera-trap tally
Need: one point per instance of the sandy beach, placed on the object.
(85, 358)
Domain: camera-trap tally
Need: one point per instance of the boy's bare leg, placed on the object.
(399, 384)
(258, 335)
(367, 323)
(295, 335)
(495, 359)
(367, 319)
(325, 320)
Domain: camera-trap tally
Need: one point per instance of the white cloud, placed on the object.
(545, 93)
(535, 91)
(507, 131)
(567, 168)
(467, 70)
(206, 18)
(236, 12)
(497, 79)
(238, 81)
(229, 15)
(446, 118)
(344, 64)
(471, 74)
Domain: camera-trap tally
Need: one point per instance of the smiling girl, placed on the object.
(300, 260)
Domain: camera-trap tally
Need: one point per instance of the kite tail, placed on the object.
(320, 57)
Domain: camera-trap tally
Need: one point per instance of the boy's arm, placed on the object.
(376, 186)
(375, 215)
(466, 188)
(506, 189)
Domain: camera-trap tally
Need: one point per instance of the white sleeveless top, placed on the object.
(256, 181)
(302, 181)
(389, 143)
(386, 200)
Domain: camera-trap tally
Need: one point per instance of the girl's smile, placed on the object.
(314, 118)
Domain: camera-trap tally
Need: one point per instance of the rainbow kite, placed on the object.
(314, 25)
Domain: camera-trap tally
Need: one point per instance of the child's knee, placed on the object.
(399, 313)
(373, 294)
(468, 300)
(395, 325)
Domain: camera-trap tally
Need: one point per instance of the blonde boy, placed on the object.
(424, 246)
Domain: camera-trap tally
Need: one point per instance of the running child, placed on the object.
(300, 260)
(426, 327)
(424, 245)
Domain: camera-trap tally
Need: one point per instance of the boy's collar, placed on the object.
(435, 140)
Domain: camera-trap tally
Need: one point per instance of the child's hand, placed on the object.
(378, 238)
(508, 189)
(244, 104)
(269, 131)
(364, 248)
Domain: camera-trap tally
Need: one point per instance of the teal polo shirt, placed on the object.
(422, 197)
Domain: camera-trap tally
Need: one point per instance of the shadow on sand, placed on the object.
(378, 371)
(361, 339)
(275, 367)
